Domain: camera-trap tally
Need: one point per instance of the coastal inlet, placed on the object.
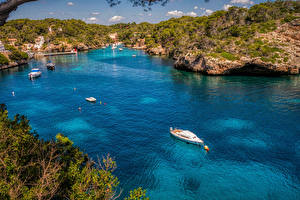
(251, 124)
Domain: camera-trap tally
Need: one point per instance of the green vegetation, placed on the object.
(16, 55)
(3, 60)
(228, 56)
(55, 31)
(31, 168)
(137, 194)
(235, 31)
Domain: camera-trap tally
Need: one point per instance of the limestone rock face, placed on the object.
(287, 36)
(82, 46)
(244, 66)
(190, 62)
(156, 51)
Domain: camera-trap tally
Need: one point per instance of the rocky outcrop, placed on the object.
(156, 51)
(82, 47)
(286, 37)
(191, 62)
(244, 66)
(13, 64)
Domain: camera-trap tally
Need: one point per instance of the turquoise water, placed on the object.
(251, 124)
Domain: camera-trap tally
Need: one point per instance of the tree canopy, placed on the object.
(31, 168)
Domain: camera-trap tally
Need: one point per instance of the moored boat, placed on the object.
(35, 72)
(114, 46)
(186, 136)
(120, 49)
(90, 99)
(50, 66)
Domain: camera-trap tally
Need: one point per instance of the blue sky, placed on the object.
(98, 11)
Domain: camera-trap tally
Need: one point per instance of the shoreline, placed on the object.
(188, 67)
(14, 64)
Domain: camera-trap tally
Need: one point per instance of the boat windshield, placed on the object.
(35, 70)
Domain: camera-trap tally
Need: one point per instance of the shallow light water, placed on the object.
(251, 124)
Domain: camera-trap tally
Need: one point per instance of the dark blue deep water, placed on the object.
(251, 124)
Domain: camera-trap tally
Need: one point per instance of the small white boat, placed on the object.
(35, 72)
(114, 46)
(120, 49)
(90, 99)
(133, 55)
(50, 66)
(186, 136)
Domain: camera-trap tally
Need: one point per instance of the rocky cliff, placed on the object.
(286, 37)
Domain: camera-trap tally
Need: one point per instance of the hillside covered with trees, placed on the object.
(266, 34)
(31, 168)
(267, 31)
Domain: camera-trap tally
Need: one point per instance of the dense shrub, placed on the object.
(16, 55)
(228, 56)
(31, 168)
(3, 60)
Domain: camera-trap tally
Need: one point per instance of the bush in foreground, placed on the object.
(3, 60)
(31, 168)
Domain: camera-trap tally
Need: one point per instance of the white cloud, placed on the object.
(196, 7)
(93, 19)
(227, 6)
(51, 13)
(192, 14)
(175, 13)
(242, 2)
(95, 13)
(208, 12)
(178, 13)
(70, 3)
(116, 18)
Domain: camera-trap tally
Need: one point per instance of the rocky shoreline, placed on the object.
(287, 35)
(14, 64)
(244, 66)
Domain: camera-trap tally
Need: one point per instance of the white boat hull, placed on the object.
(34, 74)
(196, 141)
(91, 99)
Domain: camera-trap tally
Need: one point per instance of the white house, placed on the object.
(39, 42)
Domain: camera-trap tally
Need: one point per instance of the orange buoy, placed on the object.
(206, 148)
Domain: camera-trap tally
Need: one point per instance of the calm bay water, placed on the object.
(251, 124)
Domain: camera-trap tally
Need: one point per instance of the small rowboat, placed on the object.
(90, 99)
(186, 136)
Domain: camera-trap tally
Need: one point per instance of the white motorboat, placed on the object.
(114, 46)
(186, 136)
(50, 66)
(35, 72)
(90, 99)
(120, 49)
